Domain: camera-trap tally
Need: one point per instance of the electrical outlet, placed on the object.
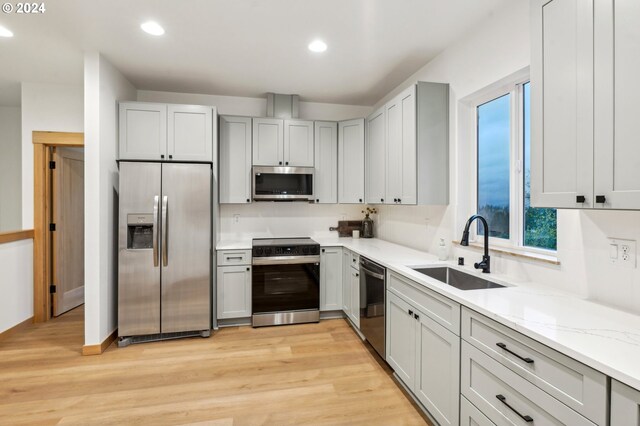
(622, 252)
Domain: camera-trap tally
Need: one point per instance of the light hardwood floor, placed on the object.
(319, 374)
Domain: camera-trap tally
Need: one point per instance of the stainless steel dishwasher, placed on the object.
(372, 303)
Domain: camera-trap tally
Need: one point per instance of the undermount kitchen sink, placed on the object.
(458, 279)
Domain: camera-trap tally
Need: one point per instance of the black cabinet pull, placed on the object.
(248, 200)
(416, 316)
(395, 200)
(399, 200)
(170, 157)
(286, 163)
(410, 312)
(357, 274)
(248, 269)
(580, 199)
(317, 200)
(161, 155)
(323, 250)
(601, 199)
(503, 346)
(502, 399)
(360, 199)
(280, 163)
(382, 200)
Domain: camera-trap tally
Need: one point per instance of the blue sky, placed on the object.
(493, 152)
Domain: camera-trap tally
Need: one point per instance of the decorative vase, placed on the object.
(367, 227)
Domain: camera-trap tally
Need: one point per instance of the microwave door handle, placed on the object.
(165, 231)
(156, 206)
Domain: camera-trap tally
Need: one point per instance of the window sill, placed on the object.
(516, 252)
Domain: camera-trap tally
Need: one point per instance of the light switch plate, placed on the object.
(625, 255)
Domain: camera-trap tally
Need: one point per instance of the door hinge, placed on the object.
(52, 227)
(52, 165)
(52, 288)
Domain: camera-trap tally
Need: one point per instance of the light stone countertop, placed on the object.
(602, 337)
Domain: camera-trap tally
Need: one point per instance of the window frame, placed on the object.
(514, 87)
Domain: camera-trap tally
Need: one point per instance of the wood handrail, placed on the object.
(8, 237)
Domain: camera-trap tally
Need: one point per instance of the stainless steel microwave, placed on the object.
(282, 183)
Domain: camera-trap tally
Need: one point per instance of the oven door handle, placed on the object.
(285, 260)
(371, 273)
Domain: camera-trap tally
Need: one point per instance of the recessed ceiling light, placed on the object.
(152, 28)
(317, 46)
(4, 32)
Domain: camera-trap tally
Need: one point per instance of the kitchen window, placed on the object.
(503, 171)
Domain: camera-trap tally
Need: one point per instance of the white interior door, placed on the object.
(68, 238)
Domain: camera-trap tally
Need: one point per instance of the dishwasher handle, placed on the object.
(371, 273)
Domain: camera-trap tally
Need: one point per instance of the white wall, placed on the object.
(272, 219)
(283, 219)
(256, 107)
(497, 48)
(104, 87)
(46, 107)
(10, 172)
(16, 285)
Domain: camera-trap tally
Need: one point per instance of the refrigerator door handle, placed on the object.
(156, 206)
(165, 231)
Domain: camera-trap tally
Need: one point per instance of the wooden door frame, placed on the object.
(42, 141)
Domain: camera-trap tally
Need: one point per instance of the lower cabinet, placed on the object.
(351, 287)
(625, 405)
(506, 398)
(331, 279)
(425, 356)
(471, 416)
(233, 292)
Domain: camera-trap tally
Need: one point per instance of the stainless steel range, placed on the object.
(285, 281)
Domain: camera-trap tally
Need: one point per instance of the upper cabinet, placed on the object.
(190, 133)
(279, 142)
(616, 109)
(156, 132)
(411, 129)
(351, 161)
(376, 157)
(583, 90)
(298, 143)
(268, 142)
(143, 131)
(235, 159)
(325, 179)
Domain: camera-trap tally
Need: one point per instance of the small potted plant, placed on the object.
(367, 222)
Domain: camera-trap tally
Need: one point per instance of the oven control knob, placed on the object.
(259, 252)
(305, 250)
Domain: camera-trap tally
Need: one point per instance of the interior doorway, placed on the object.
(67, 237)
(58, 245)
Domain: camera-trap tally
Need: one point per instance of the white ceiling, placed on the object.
(241, 47)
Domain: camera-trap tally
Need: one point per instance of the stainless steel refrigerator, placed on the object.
(164, 253)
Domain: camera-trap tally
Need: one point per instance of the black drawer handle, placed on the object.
(502, 399)
(410, 312)
(580, 199)
(601, 199)
(503, 346)
(416, 316)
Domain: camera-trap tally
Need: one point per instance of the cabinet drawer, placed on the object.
(442, 310)
(355, 260)
(573, 383)
(234, 257)
(471, 416)
(500, 394)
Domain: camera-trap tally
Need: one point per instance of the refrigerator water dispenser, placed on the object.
(139, 231)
